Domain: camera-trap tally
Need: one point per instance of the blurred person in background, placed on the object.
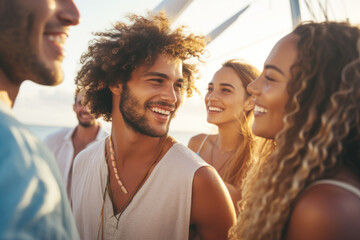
(68, 142)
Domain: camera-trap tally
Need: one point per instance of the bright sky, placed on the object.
(250, 38)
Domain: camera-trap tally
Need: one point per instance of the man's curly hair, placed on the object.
(116, 53)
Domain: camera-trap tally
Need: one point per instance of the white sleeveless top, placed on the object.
(202, 144)
(160, 210)
(339, 184)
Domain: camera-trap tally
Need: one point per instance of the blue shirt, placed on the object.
(33, 203)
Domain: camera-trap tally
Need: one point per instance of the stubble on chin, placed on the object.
(87, 124)
(44, 75)
(18, 58)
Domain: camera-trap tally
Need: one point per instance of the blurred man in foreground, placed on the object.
(33, 202)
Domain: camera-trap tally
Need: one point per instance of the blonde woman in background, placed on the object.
(230, 107)
(307, 99)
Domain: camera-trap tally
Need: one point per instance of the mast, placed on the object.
(295, 12)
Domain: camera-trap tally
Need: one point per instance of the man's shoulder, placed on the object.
(93, 153)
(13, 132)
(58, 136)
(102, 133)
(60, 133)
(185, 155)
(7, 121)
(183, 150)
(20, 150)
(88, 163)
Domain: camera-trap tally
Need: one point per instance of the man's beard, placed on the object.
(18, 59)
(87, 124)
(33, 69)
(138, 122)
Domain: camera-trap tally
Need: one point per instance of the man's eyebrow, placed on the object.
(275, 68)
(156, 74)
(162, 75)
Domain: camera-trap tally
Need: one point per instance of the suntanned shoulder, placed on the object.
(325, 212)
(195, 142)
(212, 211)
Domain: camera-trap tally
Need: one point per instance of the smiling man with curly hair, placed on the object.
(139, 183)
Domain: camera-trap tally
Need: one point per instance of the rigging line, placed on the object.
(332, 10)
(323, 10)
(310, 10)
(247, 45)
(345, 10)
(327, 8)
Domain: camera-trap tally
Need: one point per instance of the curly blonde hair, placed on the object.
(116, 53)
(321, 129)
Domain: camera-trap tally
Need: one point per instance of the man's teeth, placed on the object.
(85, 114)
(160, 110)
(215, 109)
(58, 39)
(259, 109)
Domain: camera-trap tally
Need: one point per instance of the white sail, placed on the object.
(173, 8)
(218, 30)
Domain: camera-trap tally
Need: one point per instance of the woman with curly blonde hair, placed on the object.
(307, 99)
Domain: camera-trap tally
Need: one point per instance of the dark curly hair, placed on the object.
(116, 53)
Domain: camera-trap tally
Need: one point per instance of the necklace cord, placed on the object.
(212, 163)
(156, 158)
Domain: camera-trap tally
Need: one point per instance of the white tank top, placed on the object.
(160, 210)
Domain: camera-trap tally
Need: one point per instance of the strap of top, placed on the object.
(202, 144)
(339, 184)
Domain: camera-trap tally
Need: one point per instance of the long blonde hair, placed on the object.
(239, 163)
(321, 129)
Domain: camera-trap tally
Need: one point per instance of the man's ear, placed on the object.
(116, 89)
(249, 104)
